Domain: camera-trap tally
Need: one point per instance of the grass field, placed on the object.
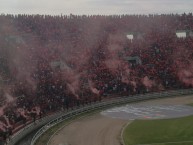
(191, 104)
(160, 132)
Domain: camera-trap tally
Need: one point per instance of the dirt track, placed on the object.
(101, 130)
(95, 130)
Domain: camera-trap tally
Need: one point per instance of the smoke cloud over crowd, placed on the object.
(53, 62)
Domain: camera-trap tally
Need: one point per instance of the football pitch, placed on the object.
(160, 132)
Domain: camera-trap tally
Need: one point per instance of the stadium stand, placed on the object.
(49, 63)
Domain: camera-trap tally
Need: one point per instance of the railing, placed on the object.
(61, 116)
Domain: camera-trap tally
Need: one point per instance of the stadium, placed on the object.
(97, 79)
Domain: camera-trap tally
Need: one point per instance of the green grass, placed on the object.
(159, 131)
(179, 143)
(191, 104)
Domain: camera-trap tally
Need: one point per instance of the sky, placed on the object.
(90, 7)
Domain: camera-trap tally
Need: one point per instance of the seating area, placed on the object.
(52, 63)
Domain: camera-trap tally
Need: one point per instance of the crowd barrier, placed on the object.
(52, 120)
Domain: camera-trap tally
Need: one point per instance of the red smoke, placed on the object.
(22, 112)
(88, 52)
(184, 63)
(147, 82)
(92, 88)
(2, 126)
(7, 121)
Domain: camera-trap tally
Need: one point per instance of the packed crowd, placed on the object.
(49, 63)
